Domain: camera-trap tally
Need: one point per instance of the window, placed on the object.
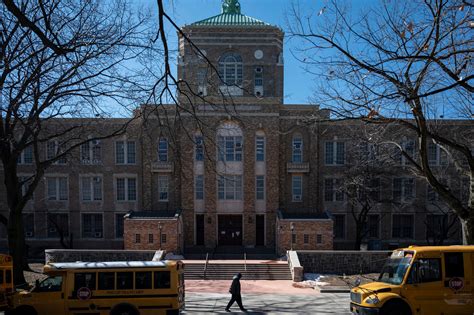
(333, 190)
(436, 155)
(29, 224)
(373, 226)
(199, 148)
(91, 188)
(260, 187)
(92, 225)
(368, 151)
(431, 194)
(334, 153)
(57, 188)
(162, 280)
(306, 238)
(53, 150)
(150, 238)
(199, 187)
(402, 226)
(137, 238)
(106, 280)
(230, 69)
(258, 77)
(260, 149)
(163, 150)
(126, 188)
(319, 238)
(57, 224)
(163, 188)
(403, 189)
(202, 81)
(454, 265)
(25, 182)
(124, 280)
(125, 152)
(297, 188)
(436, 226)
(26, 156)
(409, 147)
(163, 238)
(339, 226)
(143, 280)
(229, 187)
(84, 279)
(51, 284)
(425, 270)
(91, 152)
(297, 153)
(119, 225)
(230, 148)
(293, 238)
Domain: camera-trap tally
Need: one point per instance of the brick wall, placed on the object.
(312, 228)
(144, 227)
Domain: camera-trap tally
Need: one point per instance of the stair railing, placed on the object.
(205, 265)
(245, 261)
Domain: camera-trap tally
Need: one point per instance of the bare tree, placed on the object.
(407, 64)
(63, 61)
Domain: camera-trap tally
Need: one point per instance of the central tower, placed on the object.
(232, 55)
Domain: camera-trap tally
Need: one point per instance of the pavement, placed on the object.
(263, 297)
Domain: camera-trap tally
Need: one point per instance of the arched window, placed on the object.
(230, 69)
(297, 154)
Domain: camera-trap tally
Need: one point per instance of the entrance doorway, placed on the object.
(230, 230)
(200, 229)
(260, 230)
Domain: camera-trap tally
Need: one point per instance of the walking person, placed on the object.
(235, 291)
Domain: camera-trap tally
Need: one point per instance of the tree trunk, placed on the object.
(468, 230)
(358, 239)
(17, 246)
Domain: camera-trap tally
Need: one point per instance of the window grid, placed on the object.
(26, 156)
(230, 69)
(91, 188)
(297, 152)
(163, 150)
(229, 187)
(297, 188)
(91, 152)
(230, 148)
(53, 150)
(260, 149)
(92, 226)
(199, 187)
(57, 188)
(260, 187)
(126, 188)
(339, 226)
(402, 226)
(119, 225)
(163, 188)
(199, 148)
(403, 189)
(57, 223)
(333, 189)
(335, 153)
(125, 152)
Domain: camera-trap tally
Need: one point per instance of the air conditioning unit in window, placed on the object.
(258, 69)
(202, 90)
(258, 91)
(95, 142)
(297, 198)
(29, 234)
(97, 179)
(96, 161)
(297, 146)
(86, 161)
(98, 234)
(52, 230)
(199, 141)
(238, 145)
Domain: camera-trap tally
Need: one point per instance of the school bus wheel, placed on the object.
(124, 309)
(395, 307)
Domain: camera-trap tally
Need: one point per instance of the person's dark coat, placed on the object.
(235, 286)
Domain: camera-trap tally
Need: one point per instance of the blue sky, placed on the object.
(298, 84)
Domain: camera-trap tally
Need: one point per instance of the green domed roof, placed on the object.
(230, 16)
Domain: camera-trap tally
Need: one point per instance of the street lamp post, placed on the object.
(160, 227)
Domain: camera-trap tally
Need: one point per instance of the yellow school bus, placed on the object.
(112, 288)
(420, 280)
(6, 281)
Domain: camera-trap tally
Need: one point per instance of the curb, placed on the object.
(332, 289)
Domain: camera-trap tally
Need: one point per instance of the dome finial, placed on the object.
(231, 6)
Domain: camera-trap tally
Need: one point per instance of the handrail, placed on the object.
(205, 265)
(245, 261)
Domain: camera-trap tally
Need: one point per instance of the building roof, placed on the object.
(105, 265)
(230, 16)
(307, 214)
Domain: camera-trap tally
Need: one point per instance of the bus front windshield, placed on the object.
(394, 269)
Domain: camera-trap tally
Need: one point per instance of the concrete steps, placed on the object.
(226, 270)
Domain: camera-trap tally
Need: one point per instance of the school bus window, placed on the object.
(454, 265)
(143, 280)
(51, 284)
(425, 270)
(8, 276)
(106, 280)
(84, 279)
(124, 280)
(1, 276)
(162, 280)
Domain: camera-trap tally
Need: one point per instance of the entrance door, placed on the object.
(260, 230)
(230, 230)
(200, 229)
